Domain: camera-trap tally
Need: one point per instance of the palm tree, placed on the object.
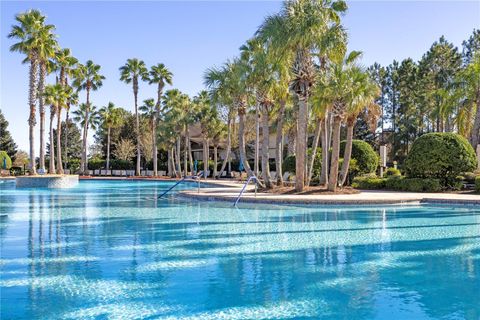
(51, 97)
(88, 78)
(216, 80)
(46, 50)
(231, 79)
(207, 116)
(66, 64)
(470, 78)
(172, 124)
(111, 118)
(31, 31)
(88, 117)
(160, 75)
(149, 111)
(129, 73)
(340, 88)
(365, 92)
(297, 31)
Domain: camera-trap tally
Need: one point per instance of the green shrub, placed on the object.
(363, 153)
(118, 164)
(4, 156)
(440, 156)
(289, 163)
(369, 183)
(413, 184)
(96, 164)
(392, 172)
(477, 184)
(469, 177)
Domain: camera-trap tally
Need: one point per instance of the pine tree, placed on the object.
(6, 141)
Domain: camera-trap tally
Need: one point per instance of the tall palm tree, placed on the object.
(149, 111)
(231, 78)
(130, 73)
(365, 92)
(88, 78)
(46, 50)
(207, 116)
(340, 88)
(31, 31)
(160, 75)
(88, 117)
(66, 64)
(111, 118)
(51, 94)
(297, 31)
(172, 124)
(216, 80)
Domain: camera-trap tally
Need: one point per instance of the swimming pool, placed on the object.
(106, 249)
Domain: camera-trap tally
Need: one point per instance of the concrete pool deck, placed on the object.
(229, 191)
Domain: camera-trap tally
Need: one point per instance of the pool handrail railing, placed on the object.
(180, 181)
(253, 177)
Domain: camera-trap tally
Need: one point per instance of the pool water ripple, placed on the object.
(109, 249)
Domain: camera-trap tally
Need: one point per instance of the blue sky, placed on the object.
(192, 36)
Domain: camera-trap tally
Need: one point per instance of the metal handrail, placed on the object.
(180, 181)
(245, 186)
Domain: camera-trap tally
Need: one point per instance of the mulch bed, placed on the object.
(309, 190)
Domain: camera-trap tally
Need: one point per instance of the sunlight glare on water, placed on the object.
(110, 249)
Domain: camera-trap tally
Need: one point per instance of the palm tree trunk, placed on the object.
(475, 136)
(215, 160)
(169, 163)
(257, 140)
(301, 144)
(65, 141)
(190, 158)
(84, 160)
(316, 138)
(229, 146)
(177, 157)
(325, 151)
(185, 154)
(205, 157)
(278, 144)
(333, 178)
(59, 141)
(347, 155)
(155, 151)
(265, 148)
(32, 120)
(241, 140)
(41, 107)
(108, 148)
(51, 166)
(137, 126)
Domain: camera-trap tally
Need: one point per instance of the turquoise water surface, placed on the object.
(107, 250)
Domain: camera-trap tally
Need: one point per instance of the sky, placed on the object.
(189, 37)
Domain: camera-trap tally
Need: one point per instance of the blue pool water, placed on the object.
(107, 250)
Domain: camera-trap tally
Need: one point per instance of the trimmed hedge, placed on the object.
(477, 184)
(442, 156)
(96, 164)
(392, 172)
(367, 159)
(4, 155)
(369, 183)
(398, 184)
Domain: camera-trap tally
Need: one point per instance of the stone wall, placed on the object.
(67, 181)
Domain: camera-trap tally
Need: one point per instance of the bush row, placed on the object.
(477, 184)
(398, 184)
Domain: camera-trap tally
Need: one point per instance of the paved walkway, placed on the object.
(231, 192)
